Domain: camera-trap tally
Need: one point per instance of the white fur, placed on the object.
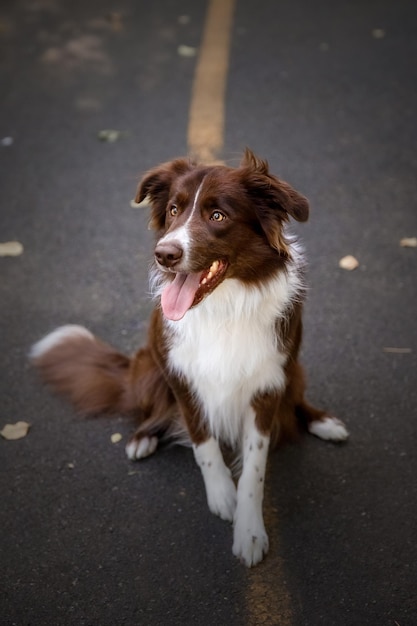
(140, 449)
(197, 195)
(250, 541)
(329, 429)
(178, 235)
(181, 234)
(226, 347)
(220, 488)
(56, 337)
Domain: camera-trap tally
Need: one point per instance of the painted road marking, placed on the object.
(207, 109)
(267, 596)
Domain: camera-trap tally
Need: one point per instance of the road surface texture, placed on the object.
(326, 91)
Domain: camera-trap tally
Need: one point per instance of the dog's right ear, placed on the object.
(156, 184)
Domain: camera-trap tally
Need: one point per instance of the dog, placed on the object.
(221, 365)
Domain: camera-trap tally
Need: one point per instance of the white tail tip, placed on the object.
(56, 337)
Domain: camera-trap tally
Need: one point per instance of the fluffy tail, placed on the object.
(91, 374)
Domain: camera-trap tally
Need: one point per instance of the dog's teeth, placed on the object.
(212, 271)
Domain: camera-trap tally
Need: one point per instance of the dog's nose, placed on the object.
(168, 254)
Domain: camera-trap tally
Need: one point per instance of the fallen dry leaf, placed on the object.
(15, 431)
(408, 242)
(116, 437)
(378, 33)
(109, 135)
(187, 51)
(348, 262)
(11, 248)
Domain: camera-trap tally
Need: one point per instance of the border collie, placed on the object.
(221, 366)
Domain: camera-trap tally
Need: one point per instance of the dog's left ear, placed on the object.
(156, 184)
(279, 194)
(273, 199)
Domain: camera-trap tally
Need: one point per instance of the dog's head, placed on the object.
(216, 222)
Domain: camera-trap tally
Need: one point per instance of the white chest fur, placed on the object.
(228, 350)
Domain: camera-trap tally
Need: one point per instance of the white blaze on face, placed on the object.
(182, 234)
(179, 295)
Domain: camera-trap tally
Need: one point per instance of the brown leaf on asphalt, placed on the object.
(349, 262)
(116, 437)
(11, 248)
(15, 431)
(408, 242)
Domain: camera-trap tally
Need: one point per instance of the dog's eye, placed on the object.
(217, 216)
(173, 210)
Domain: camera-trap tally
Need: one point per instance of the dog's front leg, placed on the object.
(220, 488)
(250, 541)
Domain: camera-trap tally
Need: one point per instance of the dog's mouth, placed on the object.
(188, 290)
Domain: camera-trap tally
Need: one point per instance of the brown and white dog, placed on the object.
(221, 362)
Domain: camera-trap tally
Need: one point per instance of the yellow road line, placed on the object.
(268, 600)
(207, 109)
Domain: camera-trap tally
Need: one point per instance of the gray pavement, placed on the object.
(326, 91)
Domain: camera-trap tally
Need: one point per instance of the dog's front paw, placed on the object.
(250, 541)
(221, 497)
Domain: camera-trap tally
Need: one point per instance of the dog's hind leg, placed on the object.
(322, 425)
(294, 408)
(163, 425)
(144, 440)
(140, 446)
(317, 422)
(154, 406)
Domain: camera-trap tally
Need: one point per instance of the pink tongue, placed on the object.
(179, 295)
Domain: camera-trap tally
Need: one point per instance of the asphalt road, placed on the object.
(326, 91)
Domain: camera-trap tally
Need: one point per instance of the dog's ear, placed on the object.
(273, 199)
(278, 193)
(254, 163)
(156, 184)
